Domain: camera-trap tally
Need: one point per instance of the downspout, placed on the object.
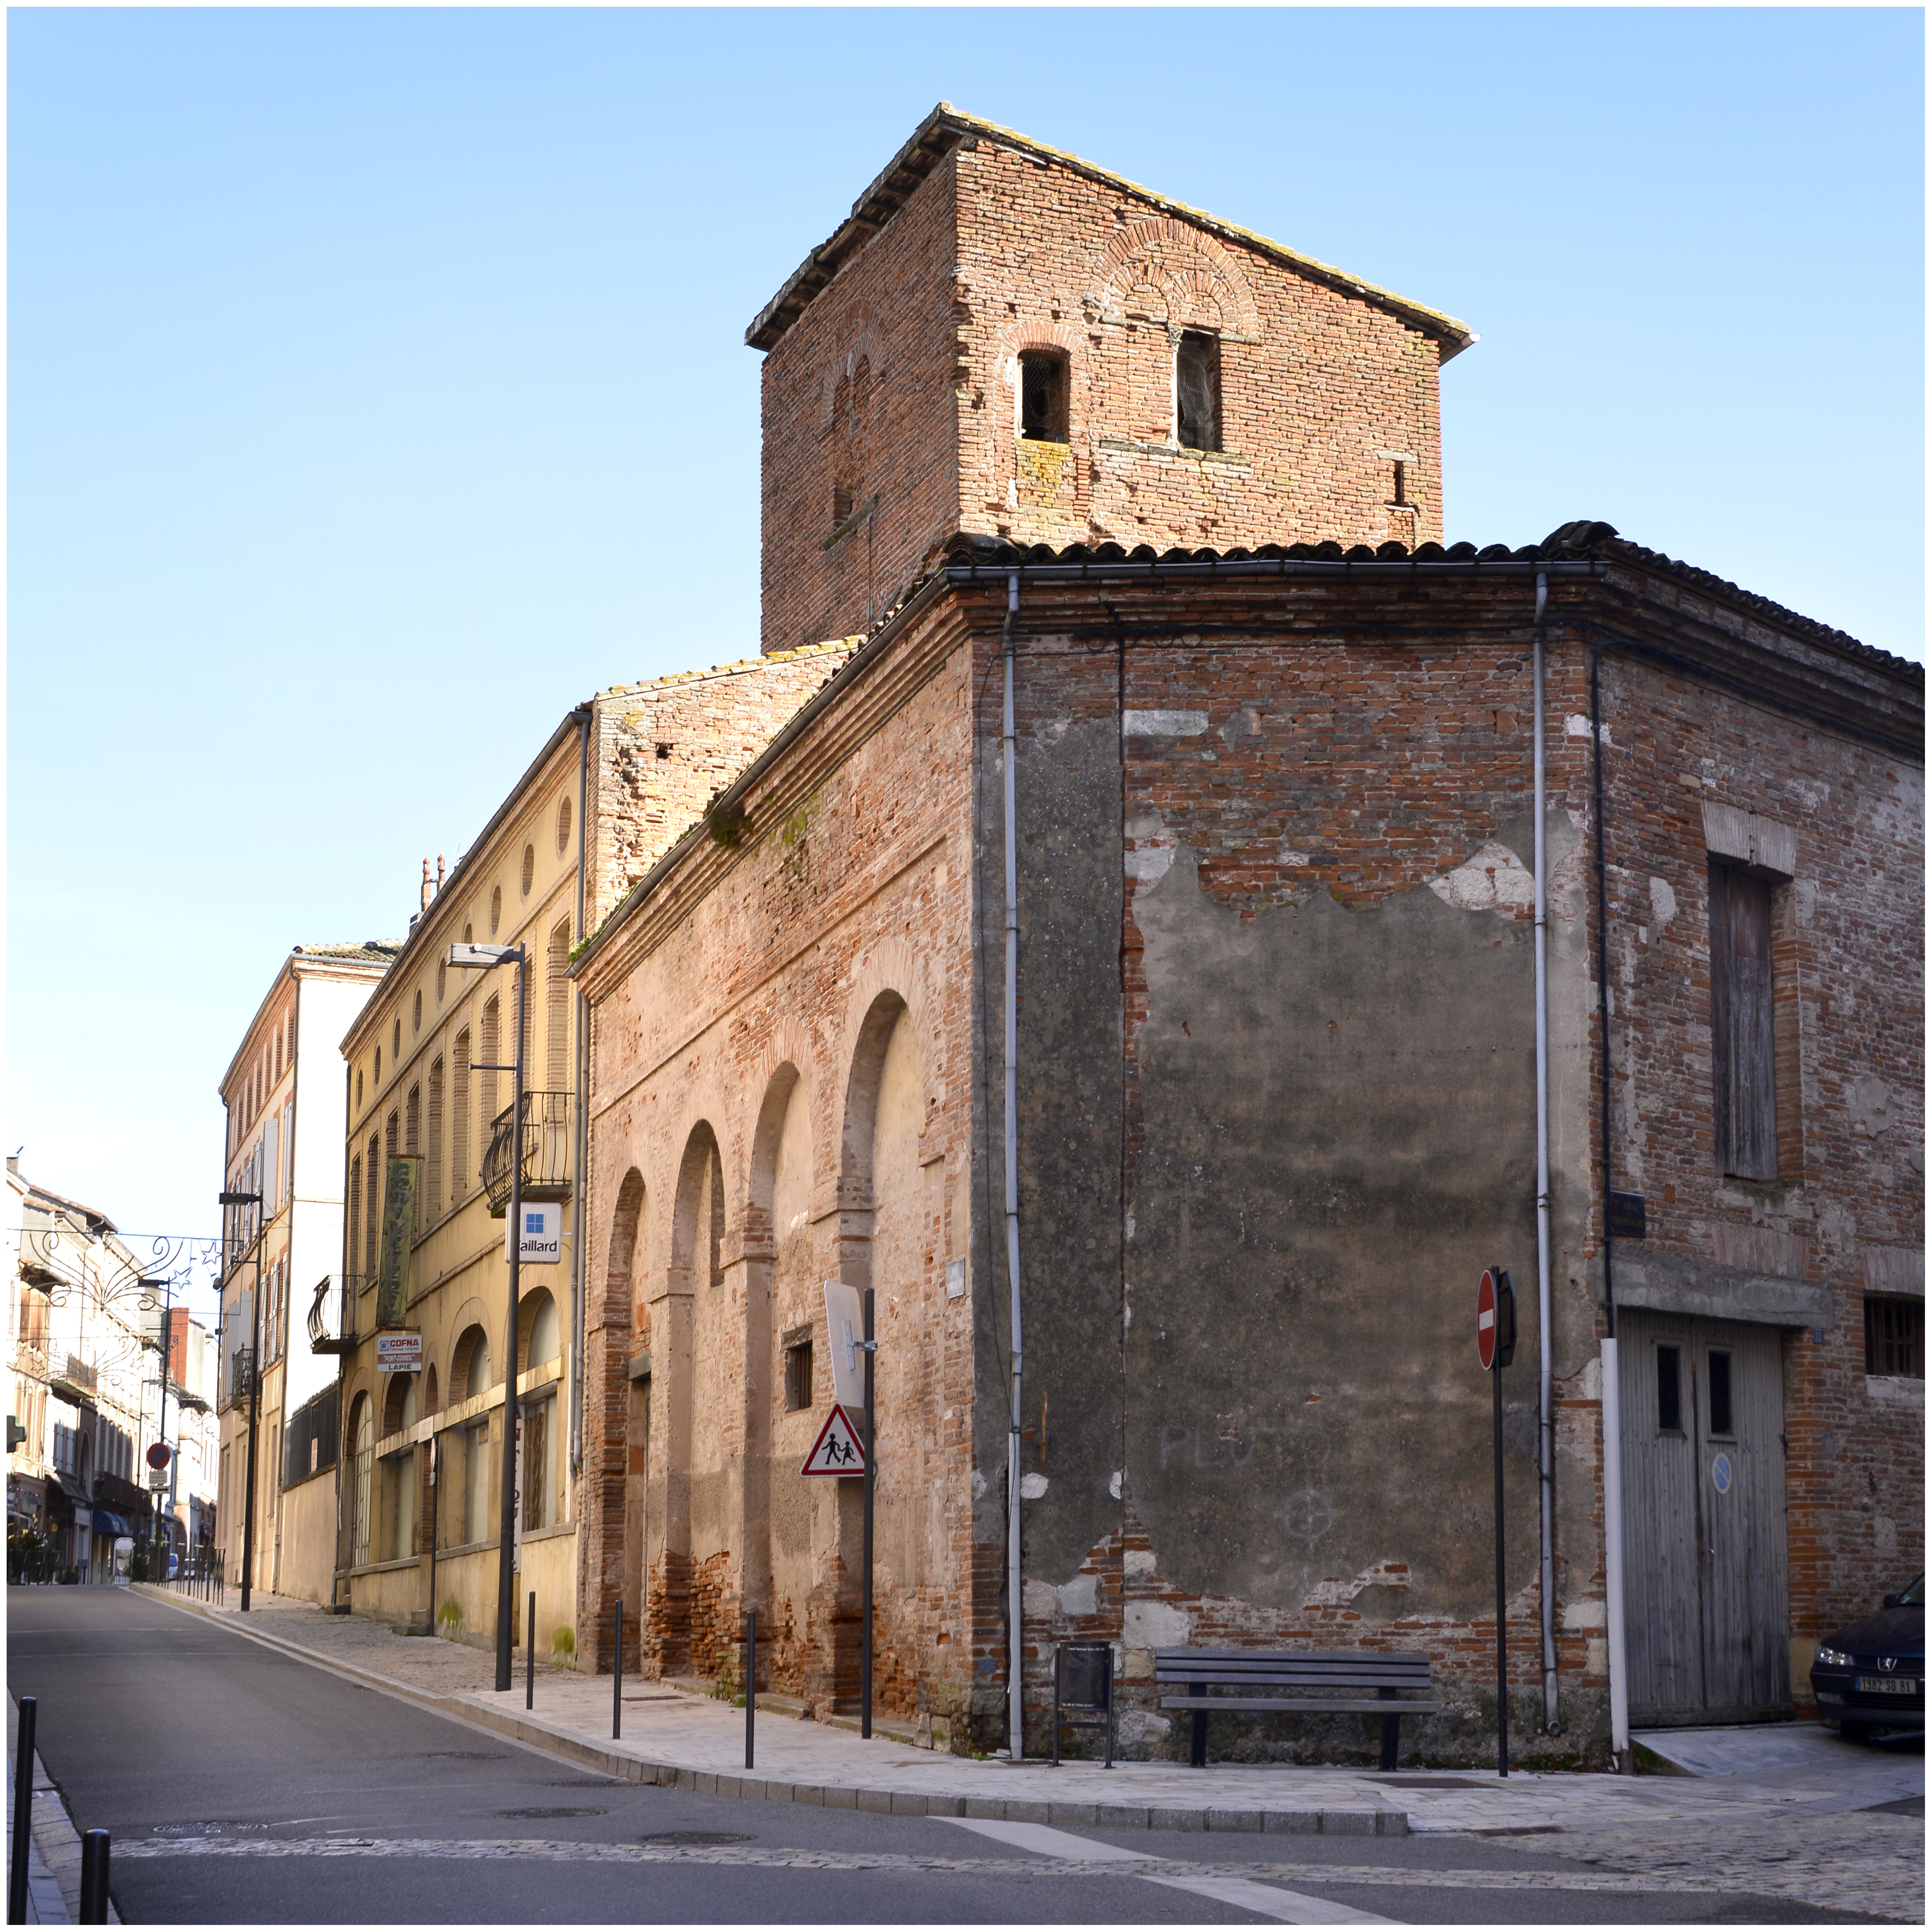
(581, 1215)
(1612, 1392)
(1015, 1682)
(1546, 1420)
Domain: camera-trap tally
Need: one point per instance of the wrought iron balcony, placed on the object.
(331, 1315)
(75, 1383)
(546, 1152)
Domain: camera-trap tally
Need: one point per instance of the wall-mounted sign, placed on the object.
(541, 1223)
(399, 1353)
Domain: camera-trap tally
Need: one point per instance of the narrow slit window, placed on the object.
(1400, 487)
(1042, 397)
(842, 503)
(798, 1376)
(1670, 1396)
(1197, 391)
(1720, 1393)
(1743, 1052)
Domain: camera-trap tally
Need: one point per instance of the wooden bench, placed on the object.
(1386, 1674)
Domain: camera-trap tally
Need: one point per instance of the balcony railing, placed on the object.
(75, 1383)
(546, 1152)
(241, 1373)
(331, 1315)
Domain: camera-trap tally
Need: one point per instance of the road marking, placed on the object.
(1292, 1908)
(1272, 1901)
(1048, 1841)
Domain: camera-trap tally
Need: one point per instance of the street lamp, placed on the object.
(466, 953)
(149, 1284)
(236, 1198)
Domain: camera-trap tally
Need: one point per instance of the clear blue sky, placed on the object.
(377, 390)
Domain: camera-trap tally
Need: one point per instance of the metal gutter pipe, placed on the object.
(1546, 1417)
(586, 715)
(1015, 1681)
(1612, 1390)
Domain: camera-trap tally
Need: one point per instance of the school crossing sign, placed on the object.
(840, 1450)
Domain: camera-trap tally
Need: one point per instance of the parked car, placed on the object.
(1871, 1674)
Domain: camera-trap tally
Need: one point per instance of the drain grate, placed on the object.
(696, 1838)
(555, 1811)
(473, 1757)
(206, 1827)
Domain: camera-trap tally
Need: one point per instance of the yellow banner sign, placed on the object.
(399, 1230)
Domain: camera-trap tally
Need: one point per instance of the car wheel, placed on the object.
(1854, 1730)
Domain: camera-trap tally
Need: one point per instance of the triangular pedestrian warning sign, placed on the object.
(840, 1450)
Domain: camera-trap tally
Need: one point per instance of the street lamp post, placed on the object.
(161, 1426)
(237, 1198)
(465, 953)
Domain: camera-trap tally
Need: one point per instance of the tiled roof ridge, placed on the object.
(1569, 542)
(737, 666)
(348, 949)
(922, 152)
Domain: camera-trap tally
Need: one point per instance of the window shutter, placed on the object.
(556, 1023)
(1743, 1041)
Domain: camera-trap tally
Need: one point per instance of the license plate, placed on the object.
(1889, 1686)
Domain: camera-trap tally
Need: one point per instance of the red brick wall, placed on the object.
(999, 250)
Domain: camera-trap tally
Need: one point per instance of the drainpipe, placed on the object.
(1546, 1419)
(1613, 1391)
(1015, 1681)
(580, 1232)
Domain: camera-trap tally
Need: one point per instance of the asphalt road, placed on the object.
(240, 1785)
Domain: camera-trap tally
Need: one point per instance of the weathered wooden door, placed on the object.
(1706, 1579)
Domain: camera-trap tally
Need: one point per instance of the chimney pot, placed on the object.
(427, 890)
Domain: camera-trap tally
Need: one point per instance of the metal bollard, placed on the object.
(751, 1680)
(23, 1813)
(617, 1677)
(530, 1660)
(93, 1879)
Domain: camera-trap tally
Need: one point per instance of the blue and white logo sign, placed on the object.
(541, 1227)
(1721, 1474)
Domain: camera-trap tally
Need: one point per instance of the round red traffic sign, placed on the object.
(1485, 1320)
(159, 1455)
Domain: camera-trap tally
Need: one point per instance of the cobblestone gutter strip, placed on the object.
(1353, 1822)
(53, 1853)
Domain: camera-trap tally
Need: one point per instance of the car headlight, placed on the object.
(1840, 1658)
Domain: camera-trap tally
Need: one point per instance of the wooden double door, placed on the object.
(1707, 1583)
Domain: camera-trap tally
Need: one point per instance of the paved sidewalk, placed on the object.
(674, 1738)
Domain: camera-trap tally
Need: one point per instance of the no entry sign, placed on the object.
(1496, 1318)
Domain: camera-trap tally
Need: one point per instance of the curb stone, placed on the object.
(1355, 1822)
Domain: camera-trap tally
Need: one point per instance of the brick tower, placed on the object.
(1006, 340)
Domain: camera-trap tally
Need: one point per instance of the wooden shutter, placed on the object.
(460, 1170)
(434, 1166)
(556, 1022)
(1743, 1047)
(492, 1054)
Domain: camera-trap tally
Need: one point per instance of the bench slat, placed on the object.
(1376, 1707)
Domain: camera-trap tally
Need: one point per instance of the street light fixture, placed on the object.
(464, 952)
(150, 1284)
(236, 1198)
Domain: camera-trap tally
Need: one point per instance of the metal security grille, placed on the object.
(1894, 1337)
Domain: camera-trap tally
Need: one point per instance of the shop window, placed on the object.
(1895, 1337)
(1043, 386)
(399, 1503)
(1197, 391)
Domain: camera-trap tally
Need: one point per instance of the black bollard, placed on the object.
(93, 1878)
(23, 1813)
(617, 1677)
(751, 1680)
(530, 1660)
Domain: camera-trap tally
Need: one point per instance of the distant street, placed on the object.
(242, 1786)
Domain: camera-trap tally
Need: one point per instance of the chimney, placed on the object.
(439, 871)
(428, 890)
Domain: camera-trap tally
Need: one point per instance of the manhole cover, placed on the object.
(555, 1811)
(696, 1838)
